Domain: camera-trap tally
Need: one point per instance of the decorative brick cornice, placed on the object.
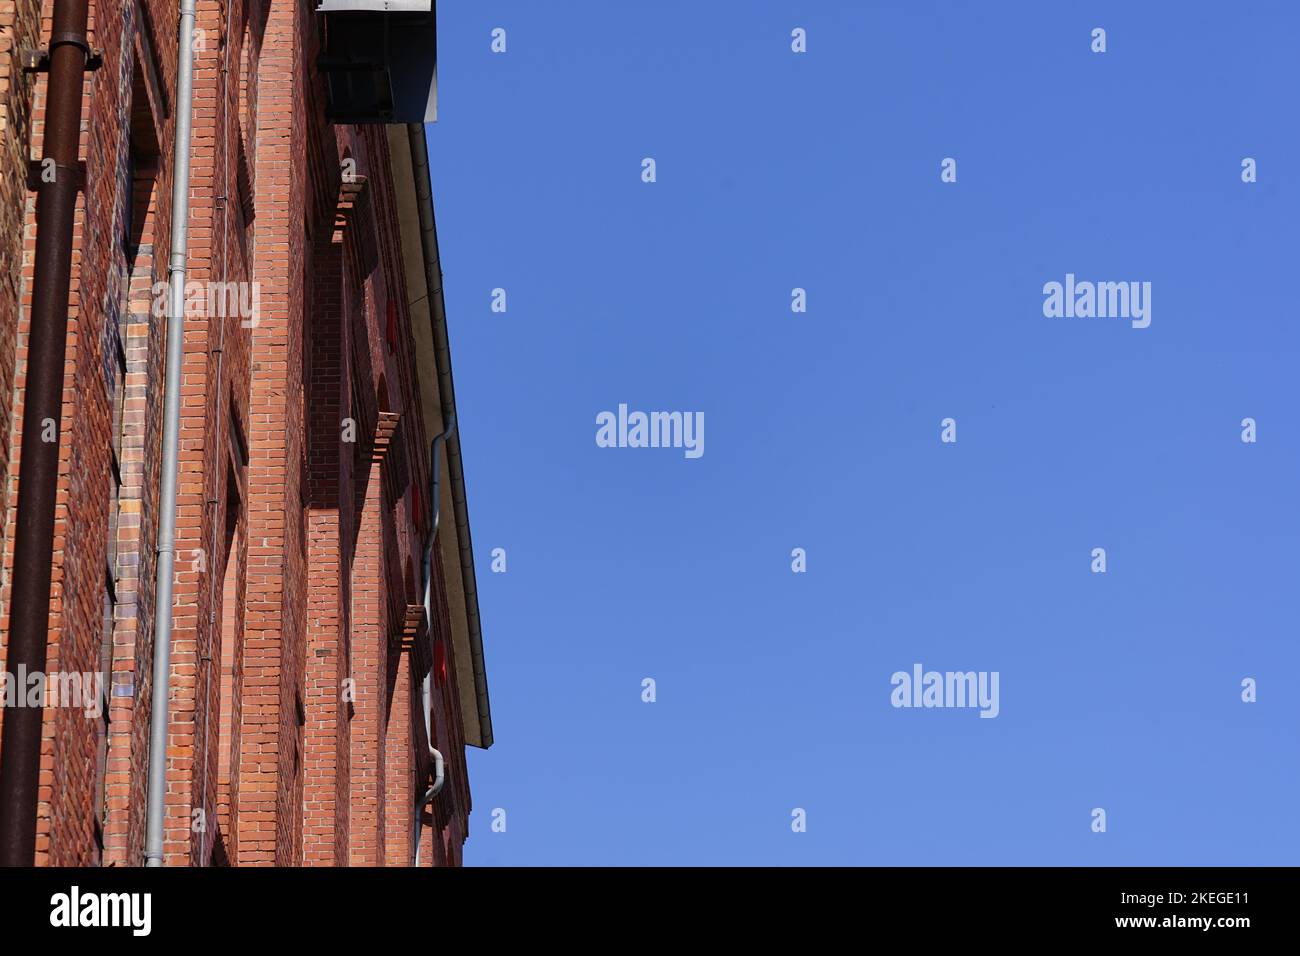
(345, 207)
(382, 439)
(354, 223)
(412, 625)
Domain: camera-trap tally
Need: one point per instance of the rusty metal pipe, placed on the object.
(29, 612)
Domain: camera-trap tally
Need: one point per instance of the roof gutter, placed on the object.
(447, 396)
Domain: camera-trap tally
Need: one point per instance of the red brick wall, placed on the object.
(99, 316)
(214, 426)
(325, 823)
(19, 26)
(273, 637)
(298, 553)
(367, 644)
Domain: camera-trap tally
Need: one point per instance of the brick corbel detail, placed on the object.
(354, 223)
(382, 440)
(412, 626)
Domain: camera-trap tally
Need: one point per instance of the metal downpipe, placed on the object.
(426, 696)
(29, 606)
(160, 715)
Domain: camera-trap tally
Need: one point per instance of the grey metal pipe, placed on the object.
(160, 716)
(439, 775)
(435, 502)
(435, 497)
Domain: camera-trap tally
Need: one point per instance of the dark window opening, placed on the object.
(231, 635)
(142, 169)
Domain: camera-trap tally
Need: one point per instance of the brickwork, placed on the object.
(295, 733)
(20, 25)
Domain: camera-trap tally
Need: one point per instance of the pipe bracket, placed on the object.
(37, 60)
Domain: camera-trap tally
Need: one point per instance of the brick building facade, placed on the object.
(315, 380)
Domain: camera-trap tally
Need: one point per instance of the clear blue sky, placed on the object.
(775, 170)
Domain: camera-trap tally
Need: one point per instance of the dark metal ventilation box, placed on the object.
(379, 60)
